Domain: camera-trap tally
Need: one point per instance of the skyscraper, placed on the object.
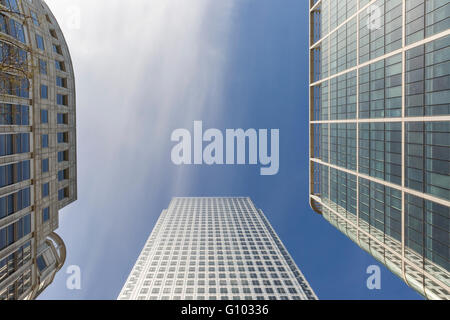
(215, 249)
(380, 131)
(37, 146)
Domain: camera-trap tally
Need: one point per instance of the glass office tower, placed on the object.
(37, 146)
(380, 131)
(215, 249)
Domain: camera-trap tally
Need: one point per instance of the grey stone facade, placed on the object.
(30, 252)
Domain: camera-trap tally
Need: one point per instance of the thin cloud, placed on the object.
(141, 67)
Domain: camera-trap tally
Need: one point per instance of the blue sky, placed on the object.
(163, 65)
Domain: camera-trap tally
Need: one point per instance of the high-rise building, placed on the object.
(37, 146)
(215, 249)
(380, 131)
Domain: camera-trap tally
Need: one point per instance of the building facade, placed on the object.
(215, 249)
(37, 146)
(380, 131)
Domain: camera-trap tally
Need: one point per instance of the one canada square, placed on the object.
(215, 249)
(380, 131)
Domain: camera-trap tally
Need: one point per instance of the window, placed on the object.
(14, 114)
(12, 28)
(44, 91)
(62, 118)
(44, 140)
(45, 190)
(35, 18)
(426, 18)
(11, 5)
(343, 86)
(41, 264)
(45, 165)
(372, 42)
(14, 144)
(427, 78)
(15, 232)
(14, 85)
(63, 137)
(44, 116)
(423, 221)
(63, 175)
(385, 214)
(63, 156)
(380, 152)
(60, 65)
(427, 157)
(61, 82)
(380, 89)
(14, 173)
(40, 42)
(15, 202)
(57, 49)
(53, 33)
(45, 214)
(62, 100)
(22, 256)
(3, 27)
(42, 66)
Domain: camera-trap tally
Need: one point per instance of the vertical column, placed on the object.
(329, 97)
(403, 135)
(311, 103)
(357, 118)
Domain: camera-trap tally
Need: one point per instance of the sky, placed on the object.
(149, 67)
